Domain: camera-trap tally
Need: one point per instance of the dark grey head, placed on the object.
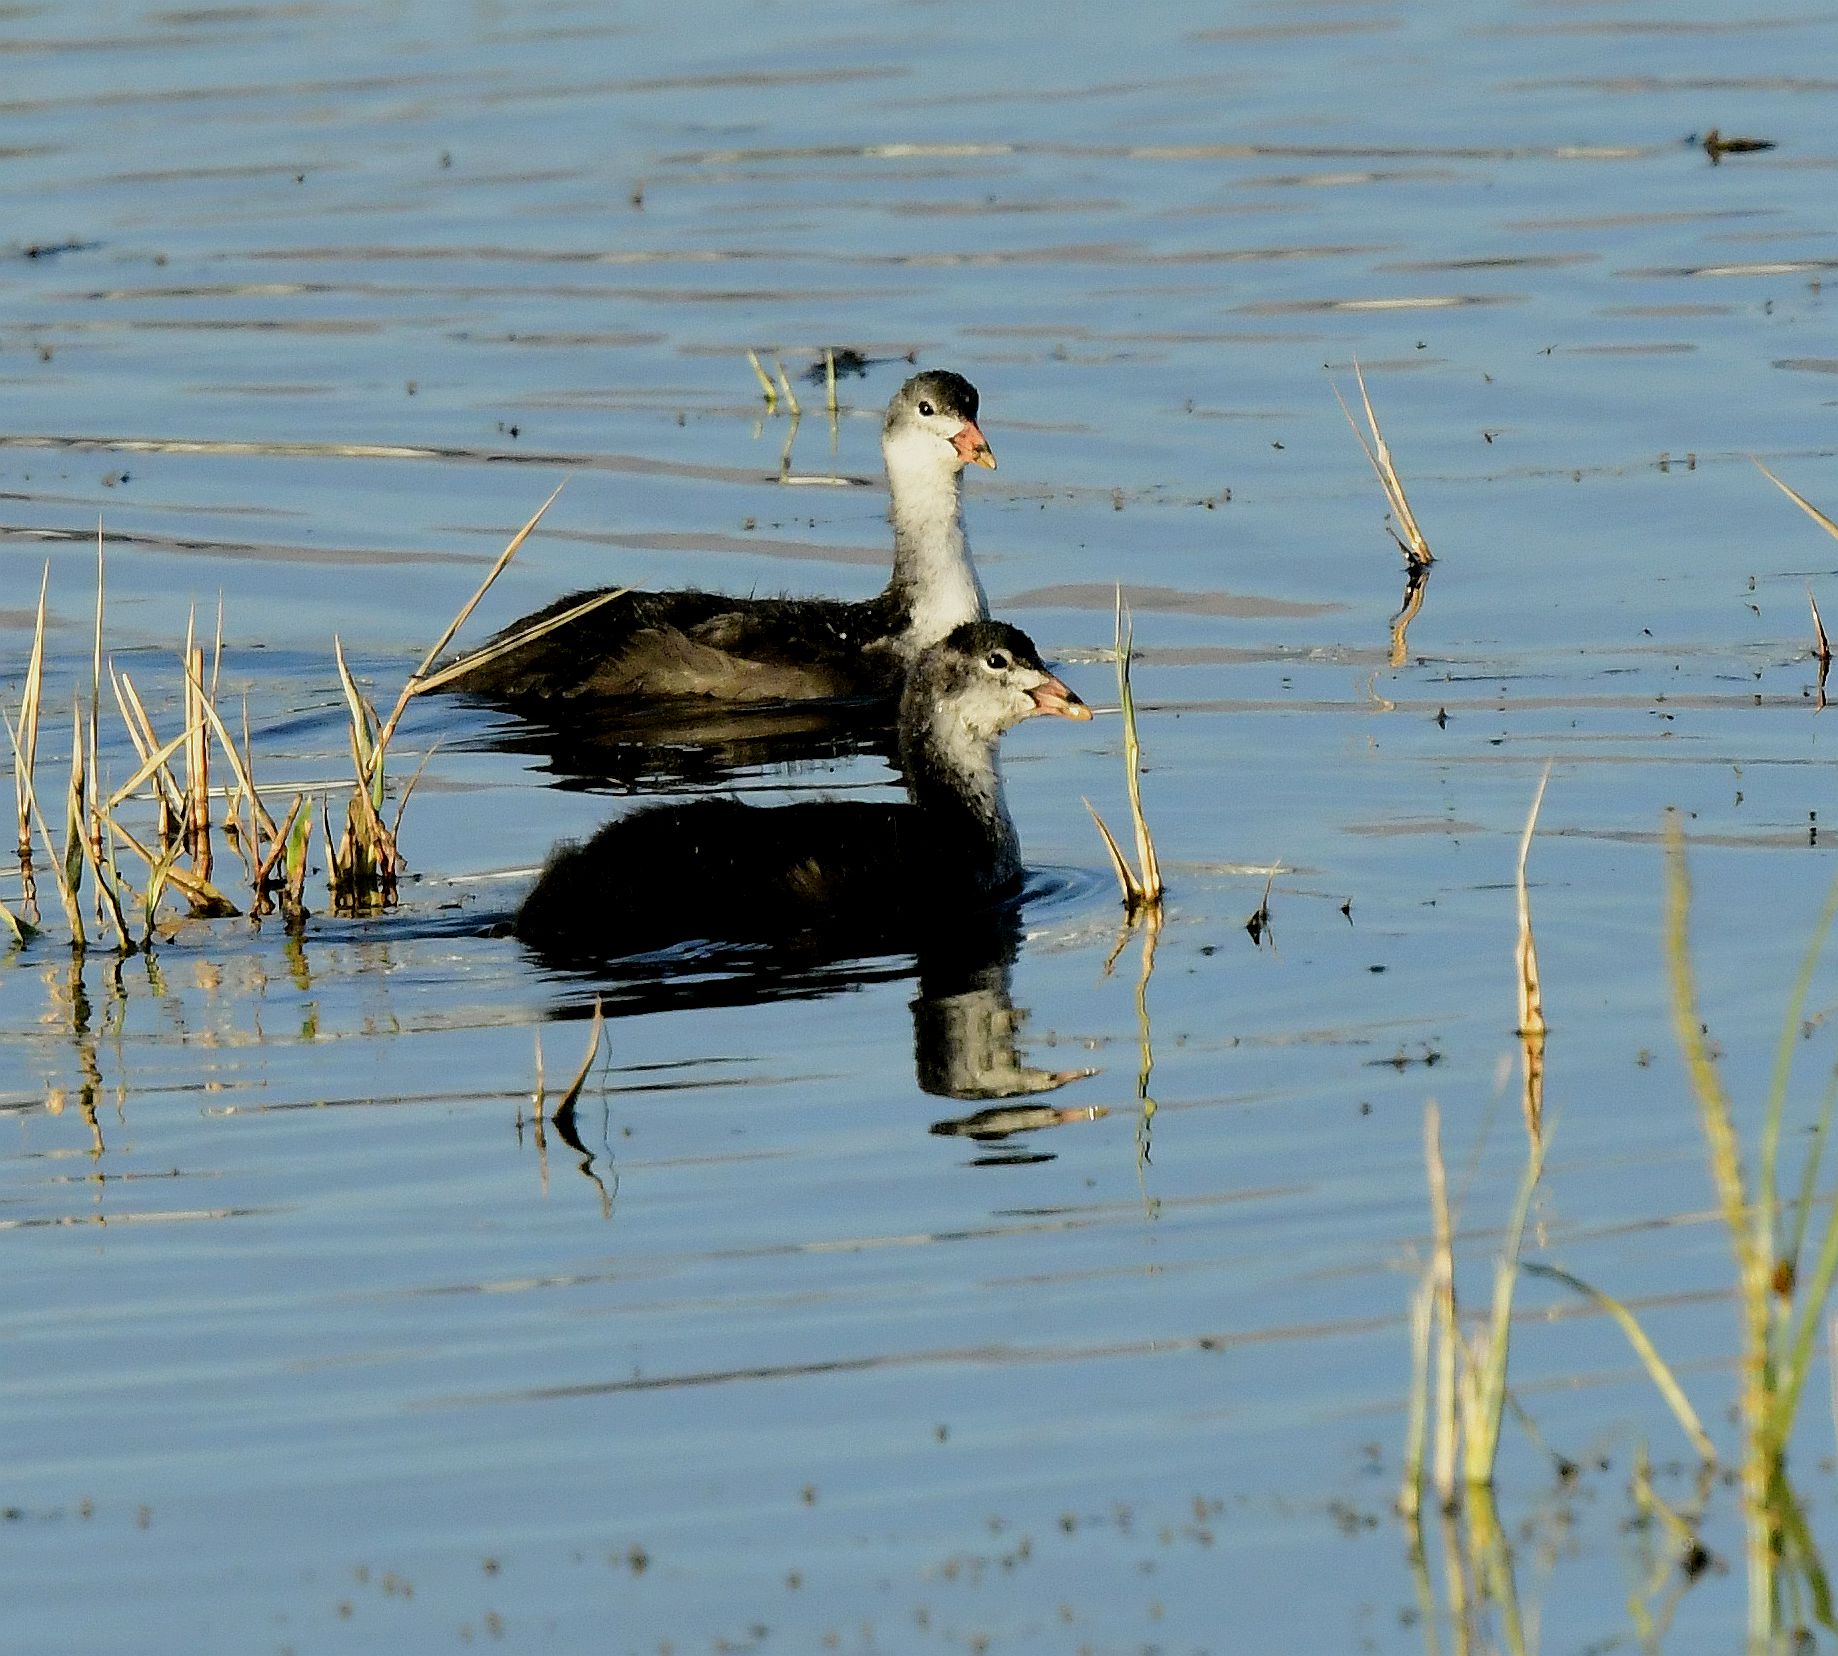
(982, 678)
(936, 411)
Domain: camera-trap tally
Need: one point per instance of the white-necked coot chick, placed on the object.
(881, 875)
(655, 645)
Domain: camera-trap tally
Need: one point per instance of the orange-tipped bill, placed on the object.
(973, 447)
(1055, 698)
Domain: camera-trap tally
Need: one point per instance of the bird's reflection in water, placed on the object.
(966, 1044)
(816, 895)
(966, 1026)
(694, 745)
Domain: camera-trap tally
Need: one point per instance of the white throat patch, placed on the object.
(931, 553)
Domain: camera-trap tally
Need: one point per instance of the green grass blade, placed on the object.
(1657, 1369)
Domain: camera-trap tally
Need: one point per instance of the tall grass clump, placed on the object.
(1785, 1250)
(1785, 1262)
(1458, 1399)
(1458, 1393)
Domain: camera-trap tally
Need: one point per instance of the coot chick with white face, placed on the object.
(647, 646)
(874, 877)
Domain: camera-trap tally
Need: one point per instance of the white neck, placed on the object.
(933, 576)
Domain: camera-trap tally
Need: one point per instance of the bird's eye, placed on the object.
(926, 409)
(998, 659)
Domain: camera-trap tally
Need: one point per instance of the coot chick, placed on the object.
(878, 877)
(643, 646)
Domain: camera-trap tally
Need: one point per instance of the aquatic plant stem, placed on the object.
(1759, 1460)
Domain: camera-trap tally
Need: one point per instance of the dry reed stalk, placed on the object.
(140, 733)
(217, 648)
(247, 842)
(148, 766)
(408, 791)
(65, 895)
(1822, 650)
(516, 641)
(420, 680)
(297, 840)
(270, 859)
(1798, 499)
(28, 722)
(204, 703)
(365, 860)
(95, 716)
(69, 870)
(197, 764)
(100, 854)
(1470, 1371)
(563, 1115)
(1411, 542)
(1531, 1027)
(284, 862)
(829, 381)
(204, 899)
(1141, 891)
(767, 389)
(791, 439)
(791, 397)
